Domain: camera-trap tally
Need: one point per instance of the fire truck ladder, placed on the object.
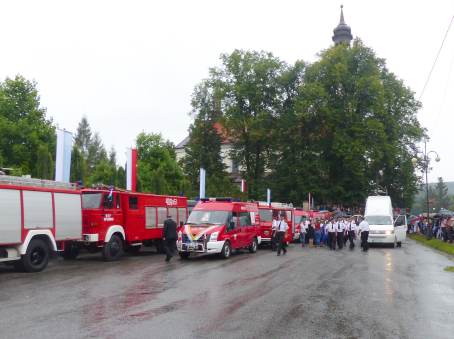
(23, 181)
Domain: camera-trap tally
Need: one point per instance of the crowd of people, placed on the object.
(332, 233)
(441, 227)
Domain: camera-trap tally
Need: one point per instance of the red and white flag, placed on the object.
(243, 186)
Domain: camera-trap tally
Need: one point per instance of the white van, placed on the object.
(383, 227)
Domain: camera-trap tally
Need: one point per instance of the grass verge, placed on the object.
(449, 269)
(434, 243)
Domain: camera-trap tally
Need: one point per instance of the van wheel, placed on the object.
(113, 250)
(253, 247)
(71, 251)
(226, 250)
(399, 244)
(184, 255)
(36, 258)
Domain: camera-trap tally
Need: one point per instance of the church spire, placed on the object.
(342, 33)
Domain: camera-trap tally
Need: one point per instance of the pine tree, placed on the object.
(83, 136)
(442, 200)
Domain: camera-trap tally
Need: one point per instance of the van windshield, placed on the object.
(91, 200)
(209, 217)
(379, 220)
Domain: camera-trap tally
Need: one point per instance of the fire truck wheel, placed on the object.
(37, 256)
(71, 251)
(184, 255)
(253, 247)
(113, 250)
(226, 250)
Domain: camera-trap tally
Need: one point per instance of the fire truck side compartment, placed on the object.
(68, 216)
(37, 210)
(10, 216)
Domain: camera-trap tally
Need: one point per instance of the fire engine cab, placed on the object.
(37, 218)
(116, 220)
(268, 212)
(218, 226)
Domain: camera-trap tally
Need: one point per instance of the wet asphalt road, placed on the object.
(309, 293)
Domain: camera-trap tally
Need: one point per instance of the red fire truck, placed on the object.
(267, 213)
(218, 226)
(37, 218)
(116, 220)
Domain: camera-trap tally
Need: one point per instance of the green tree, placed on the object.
(24, 128)
(121, 178)
(441, 197)
(96, 153)
(45, 163)
(247, 90)
(355, 118)
(78, 166)
(158, 171)
(83, 136)
(204, 146)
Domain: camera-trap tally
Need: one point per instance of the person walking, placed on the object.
(330, 228)
(169, 237)
(281, 230)
(303, 231)
(364, 229)
(317, 232)
(340, 234)
(351, 229)
(274, 232)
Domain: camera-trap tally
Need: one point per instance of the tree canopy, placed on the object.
(326, 128)
(27, 137)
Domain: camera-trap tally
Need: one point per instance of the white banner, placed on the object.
(63, 158)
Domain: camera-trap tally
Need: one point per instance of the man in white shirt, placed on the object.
(281, 230)
(364, 229)
(303, 231)
(331, 229)
(351, 229)
(340, 233)
(274, 233)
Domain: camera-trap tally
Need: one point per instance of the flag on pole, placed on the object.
(202, 183)
(131, 169)
(243, 186)
(63, 158)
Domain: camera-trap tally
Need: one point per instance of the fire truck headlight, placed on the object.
(214, 236)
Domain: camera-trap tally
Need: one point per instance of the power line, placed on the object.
(436, 59)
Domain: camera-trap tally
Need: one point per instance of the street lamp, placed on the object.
(425, 166)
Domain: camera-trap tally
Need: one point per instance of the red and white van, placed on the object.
(37, 218)
(267, 213)
(115, 220)
(218, 226)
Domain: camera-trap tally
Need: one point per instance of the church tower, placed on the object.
(343, 32)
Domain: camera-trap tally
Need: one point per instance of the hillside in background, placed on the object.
(449, 184)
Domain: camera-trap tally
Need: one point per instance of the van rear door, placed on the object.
(400, 228)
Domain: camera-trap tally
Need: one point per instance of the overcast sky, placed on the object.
(131, 66)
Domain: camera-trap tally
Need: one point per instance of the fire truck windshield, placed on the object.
(209, 217)
(91, 200)
(266, 215)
